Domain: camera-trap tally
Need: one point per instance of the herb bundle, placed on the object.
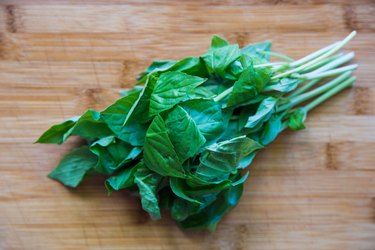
(184, 136)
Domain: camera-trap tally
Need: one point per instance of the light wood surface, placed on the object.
(312, 189)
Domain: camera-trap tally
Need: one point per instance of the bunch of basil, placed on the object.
(185, 138)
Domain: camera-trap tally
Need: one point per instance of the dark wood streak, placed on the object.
(331, 159)
(350, 18)
(11, 25)
(361, 103)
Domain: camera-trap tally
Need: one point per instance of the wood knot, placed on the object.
(331, 156)
(362, 105)
(350, 18)
(10, 18)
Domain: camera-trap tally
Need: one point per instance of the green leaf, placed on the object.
(247, 87)
(297, 119)
(263, 113)
(159, 153)
(218, 59)
(155, 66)
(271, 129)
(210, 216)
(124, 179)
(58, 133)
(190, 65)
(257, 48)
(220, 160)
(74, 166)
(135, 89)
(183, 133)
(148, 183)
(89, 126)
(285, 85)
(139, 111)
(218, 42)
(171, 89)
(207, 116)
(178, 187)
(133, 132)
(113, 154)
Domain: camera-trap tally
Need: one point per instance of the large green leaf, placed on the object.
(58, 133)
(265, 110)
(247, 87)
(210, 216)
(159, 153)
(183, 133)
(207, 116)
(148, 183)
(271, 129)
(124, 179)
(113, 154)
(139, 111)
(255, 50)
(217, 60)
(74, 166)
(88, 126)
(133, 132)
(220, 160)
(171, 89)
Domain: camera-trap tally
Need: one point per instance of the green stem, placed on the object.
(304, 97)
(305, 87)
(323, 62)
(349, 82)
(275, 54)
(339, 61)
(313, 55)
(332, 72)
(223, 94)
(319, 58)
(269, 64)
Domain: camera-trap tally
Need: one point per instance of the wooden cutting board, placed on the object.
(312, 189)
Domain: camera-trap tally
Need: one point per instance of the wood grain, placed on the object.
(312, 189)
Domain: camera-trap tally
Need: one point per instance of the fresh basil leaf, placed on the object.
(139, 111)
(135, 89)
(247, 87)
(74, 166)
(218, 59)
(58, 133)
(132, 132)
(257, 48)
(284, 85)
(207, 115)
(183, 133)
(155, 66)
(124, 179)
(192, 66)
(271, 129)
(89, 126)
(263, 113)
(159, 153)
(171, 89)
(210, 216)
(220, 160)
(218, 42)
(178, 187)
(297, 119)
(148, 183)
(113, 154)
